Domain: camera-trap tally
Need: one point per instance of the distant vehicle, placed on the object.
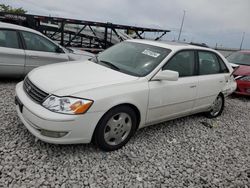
(241, 61)
(22, 49)
(128, 86)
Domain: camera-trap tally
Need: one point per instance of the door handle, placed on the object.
(33, 57)
(221, 81)
(193, 86)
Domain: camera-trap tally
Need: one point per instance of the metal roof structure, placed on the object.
(80, 33)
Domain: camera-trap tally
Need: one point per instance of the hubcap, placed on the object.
(117, 128)
(216, 107)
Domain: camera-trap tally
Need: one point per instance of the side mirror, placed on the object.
(59, 49)
(166, 75)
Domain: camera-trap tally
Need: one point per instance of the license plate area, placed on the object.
(19, 103)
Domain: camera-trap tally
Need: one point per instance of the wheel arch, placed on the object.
(132, 106)
(208, 113)
(223, 96)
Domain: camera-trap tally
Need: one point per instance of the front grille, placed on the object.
(34, 92)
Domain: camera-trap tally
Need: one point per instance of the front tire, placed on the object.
(115, 128)
(217, 107)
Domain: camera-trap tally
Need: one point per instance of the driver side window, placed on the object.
(183, 62)
(38, 43)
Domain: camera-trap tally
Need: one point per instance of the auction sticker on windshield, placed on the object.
(150, 53)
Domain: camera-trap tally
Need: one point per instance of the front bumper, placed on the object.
(243, 88)
(37, 119)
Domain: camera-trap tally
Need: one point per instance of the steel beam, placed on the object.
(138, 35)
(62, 33)
(164, 33)
(77, 34)
(121, 39)
(36, 22)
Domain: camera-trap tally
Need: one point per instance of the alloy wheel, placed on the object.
(217, 105)
(117, 128)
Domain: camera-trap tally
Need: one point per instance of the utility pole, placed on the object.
(182, 22)
(242, 40)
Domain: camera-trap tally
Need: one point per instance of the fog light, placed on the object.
(53, 134)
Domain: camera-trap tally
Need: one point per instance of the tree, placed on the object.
(10, 9)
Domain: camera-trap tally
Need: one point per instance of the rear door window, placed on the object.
(9, 39)
(208, 63)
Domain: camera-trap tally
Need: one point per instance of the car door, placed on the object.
(40, 51)
(170, 99)
(12, 56)
(212, 78)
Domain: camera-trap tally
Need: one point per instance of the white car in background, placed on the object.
(22, 49)
(131, 85)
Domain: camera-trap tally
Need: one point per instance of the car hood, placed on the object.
(242, 70)
(74, 77)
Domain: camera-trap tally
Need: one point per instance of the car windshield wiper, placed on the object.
(96, 60)
(110, 65)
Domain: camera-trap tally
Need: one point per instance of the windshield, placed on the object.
(239, 58)
(132, 58)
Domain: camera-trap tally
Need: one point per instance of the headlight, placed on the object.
(67, 105)
(245, 78)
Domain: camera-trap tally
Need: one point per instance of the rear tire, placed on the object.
(217, 107)
(115, 128)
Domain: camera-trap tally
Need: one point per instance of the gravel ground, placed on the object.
(180, 153)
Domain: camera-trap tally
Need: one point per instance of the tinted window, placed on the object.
(8, 39)
(183, 62)
(208, 63)
(38, 43)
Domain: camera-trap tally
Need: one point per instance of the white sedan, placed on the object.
(131, 85)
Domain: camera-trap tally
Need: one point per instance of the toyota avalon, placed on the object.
(131, 85)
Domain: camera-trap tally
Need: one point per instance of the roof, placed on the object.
(171, 45)
(17, 27)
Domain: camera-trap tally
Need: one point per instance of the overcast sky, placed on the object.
(209, 21)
